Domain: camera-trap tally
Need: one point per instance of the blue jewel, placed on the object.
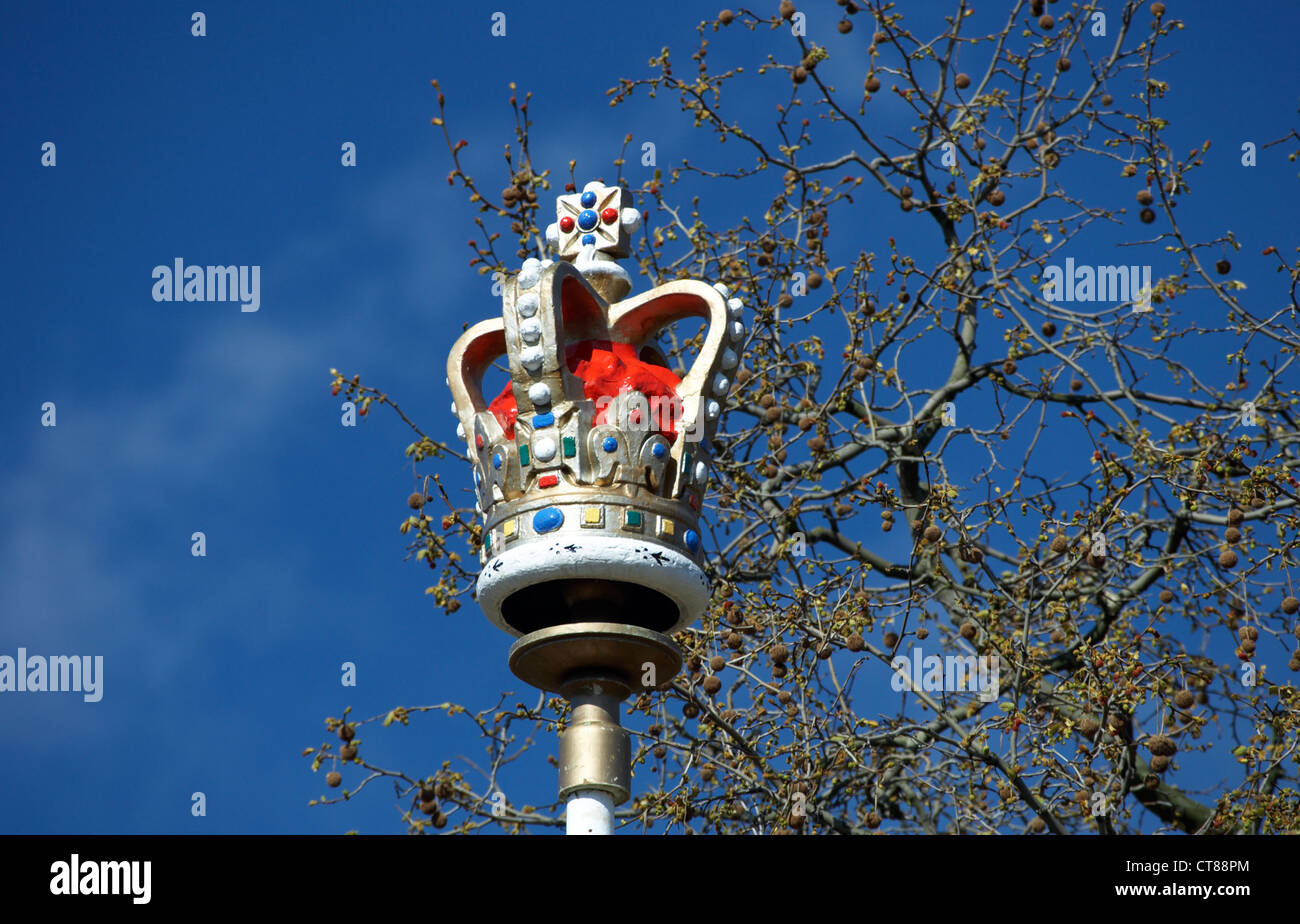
(658, 450)
(543, 420)
(544, 521)
(496, 460)
(610, 444)
(588, 199)
(692, 539)
(589, 239)
(587, 220)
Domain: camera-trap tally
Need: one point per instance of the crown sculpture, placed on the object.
(590, 467)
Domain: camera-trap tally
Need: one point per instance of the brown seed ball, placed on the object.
(1038, 826)
(1248, 646)
(784, 697)
(725, 17)
(1162, 746)
(660, 752)
(415, 501)
(961, 81)
(1088, 726)
(1249, 632)
(806, 423)
(932, 533)
(1076, 385)
(1107, 99)
(814, 280)
(1290, 605)
(872, 820)
(1157, 9)
(1009, 367)
(333, 779)
(905, 204)
(872, 84)
(347, 732)
(967, 630)
(1223, 267)
(778, 654)
(817, 443)
(348, 751)
(1227, 559)
(787, 9)
(824, 651)
(1063, 65)
(799, 74)
(429, 808)
(1151, 782)
(440, 820)
(690, 711)
(772, 414)
(1046, 22)
(997, 197)
(1235, 516)
(785, 300)
(706, 774)
(856, 642)
(1144, 196)
(1166, 596)
(712, 684)
(1184, 699)
(1048, 329)
(1147, 216)
(886, 525)
(905, 192)
(1232, 534)
(735, 640)
(1060, 544)
(890, 639)
(845, 27)
(717, 663)
(767, 400)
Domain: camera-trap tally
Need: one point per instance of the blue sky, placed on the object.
(177, 417)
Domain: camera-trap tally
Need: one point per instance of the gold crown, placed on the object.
(592, 464)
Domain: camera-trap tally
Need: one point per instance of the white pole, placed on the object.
(589, 811)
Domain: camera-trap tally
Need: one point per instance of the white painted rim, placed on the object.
(613, 558)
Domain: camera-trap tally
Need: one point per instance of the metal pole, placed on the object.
(595, 759)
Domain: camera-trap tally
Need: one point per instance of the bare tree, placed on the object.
(1076, 492)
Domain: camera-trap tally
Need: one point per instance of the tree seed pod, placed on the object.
(717, 663)
(932, 533)
(996, 198)
(968, 630)
(1060, 544)
(1235, 516)
(1046, 22)
(415, 501)
(1038, 826)
(1223, 267)
(872, 84)
(1184, 699)
(778, 654)
(890, 639)
(726, 17)
(348, 751)
(1147, 216)
(1162, 746)
(333, 779)
(1166, 596)
(1088, 726)
(1144, 197)
(1227, 559)
(1009, 367)
(799, 74)
(346, 732)
(961, 81)
(787, 9)
(873, 819)
(1290, 605)
(1048, 329)
(712, 684)
(856, 642)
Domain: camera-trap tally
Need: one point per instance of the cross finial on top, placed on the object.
(594, 218)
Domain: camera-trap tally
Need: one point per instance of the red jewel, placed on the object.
(478, 440)
(548, 481)
(566, 224)
(610, 215)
